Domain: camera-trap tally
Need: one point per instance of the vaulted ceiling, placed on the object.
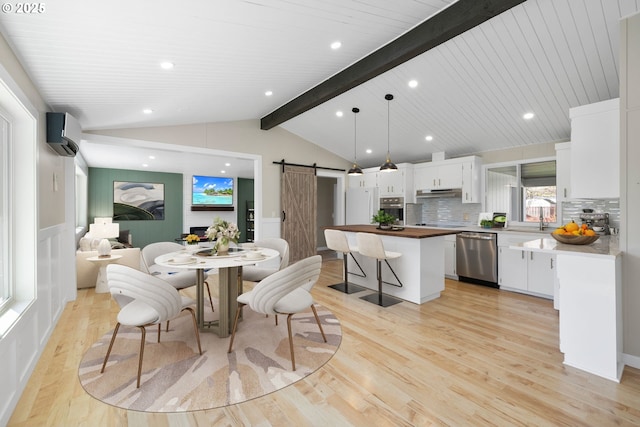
(101, 61)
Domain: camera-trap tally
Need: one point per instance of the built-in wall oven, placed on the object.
(393, 206)
(477, 258)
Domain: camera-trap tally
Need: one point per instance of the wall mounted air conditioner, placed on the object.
(63, 133)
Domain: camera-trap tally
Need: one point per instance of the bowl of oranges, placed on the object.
(574, 234)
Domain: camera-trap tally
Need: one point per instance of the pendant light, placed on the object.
(355, 169)
(388, 165)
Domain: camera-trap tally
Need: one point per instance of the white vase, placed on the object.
(222, 248)
(104, 248)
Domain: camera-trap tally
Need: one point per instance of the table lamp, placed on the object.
(104, 228)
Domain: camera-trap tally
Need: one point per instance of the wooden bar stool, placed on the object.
(370, 245)
(337, 241)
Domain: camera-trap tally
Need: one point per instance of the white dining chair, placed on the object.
(144, 300)
(284, 292)
(256, 273)
(179, 279)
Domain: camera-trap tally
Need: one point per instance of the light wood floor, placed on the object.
(475, 356)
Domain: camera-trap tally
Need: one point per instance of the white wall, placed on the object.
(43, 256)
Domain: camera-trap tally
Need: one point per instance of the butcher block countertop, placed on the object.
(409, 232)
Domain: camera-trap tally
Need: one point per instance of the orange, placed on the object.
(589, 232)
(572, 226)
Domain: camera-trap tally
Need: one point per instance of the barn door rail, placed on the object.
(314, 166)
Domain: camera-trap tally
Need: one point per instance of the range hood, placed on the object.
(449, 192)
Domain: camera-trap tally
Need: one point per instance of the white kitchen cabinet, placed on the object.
(450, 256)
(439, 176)
(591, 313)
(525, 271)
(398, 183)
(595, 150)
(391, 183)
(367, 180)
(563, 171)
(471, 180)
(541, 274)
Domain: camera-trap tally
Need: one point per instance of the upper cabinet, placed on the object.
(398, 183)
(563, 171)
(595, 150)
(471, 180)
(461, 173)
(438, 175)
(367, 180)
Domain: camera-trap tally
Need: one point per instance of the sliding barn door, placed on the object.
(298, 200)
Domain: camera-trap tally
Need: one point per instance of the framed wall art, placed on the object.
(138, 201)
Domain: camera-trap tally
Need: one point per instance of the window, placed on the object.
(525, 191)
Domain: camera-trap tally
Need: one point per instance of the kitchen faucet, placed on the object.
(542, 224)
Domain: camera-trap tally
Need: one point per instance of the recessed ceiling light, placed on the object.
(152, 157)
(336, 45)
(227, 164)
(369, 151)
(428, 138)
(413, 83)
(339, 113)
(144, 165)
(147, 111)
(166, 65)
(223, 171)
(528, 116)
(268, 93)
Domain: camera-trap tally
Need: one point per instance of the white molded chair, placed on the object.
(256, 273)
(144, 300)
(370, 245)
(179, 279)
(337, 241)
(284, 292)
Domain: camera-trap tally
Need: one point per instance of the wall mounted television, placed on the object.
(212, 193)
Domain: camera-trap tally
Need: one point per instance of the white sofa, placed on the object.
(87, 271)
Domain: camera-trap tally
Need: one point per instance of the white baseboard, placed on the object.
(630, 360)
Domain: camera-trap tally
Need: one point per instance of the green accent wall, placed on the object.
(100, 198)
(245, 196)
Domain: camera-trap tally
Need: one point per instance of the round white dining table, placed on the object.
(229, 280)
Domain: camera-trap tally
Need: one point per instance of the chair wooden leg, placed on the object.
(143, 333)
(160, 328)
(293, 358)
(195, 326)
(113, 338)
(315, 313)
(235, 324)
(210, 299)
(276, 319)
(167, 328)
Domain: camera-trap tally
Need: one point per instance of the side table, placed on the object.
(101, 282)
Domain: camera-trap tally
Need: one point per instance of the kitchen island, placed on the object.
(420, 269)
(590, 306)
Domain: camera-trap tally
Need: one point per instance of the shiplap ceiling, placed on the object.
(100, 62)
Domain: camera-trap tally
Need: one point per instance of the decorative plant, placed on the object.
(223, 232)
(383, 218)
(486, 223)
(192, 239)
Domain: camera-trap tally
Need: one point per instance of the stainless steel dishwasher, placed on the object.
(477, 258)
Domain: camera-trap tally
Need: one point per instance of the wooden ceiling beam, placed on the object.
(451, 22)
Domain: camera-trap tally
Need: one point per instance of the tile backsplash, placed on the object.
(571, 210)
(452, 210)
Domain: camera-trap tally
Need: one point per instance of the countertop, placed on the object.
(408, 232)
(605, 246)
